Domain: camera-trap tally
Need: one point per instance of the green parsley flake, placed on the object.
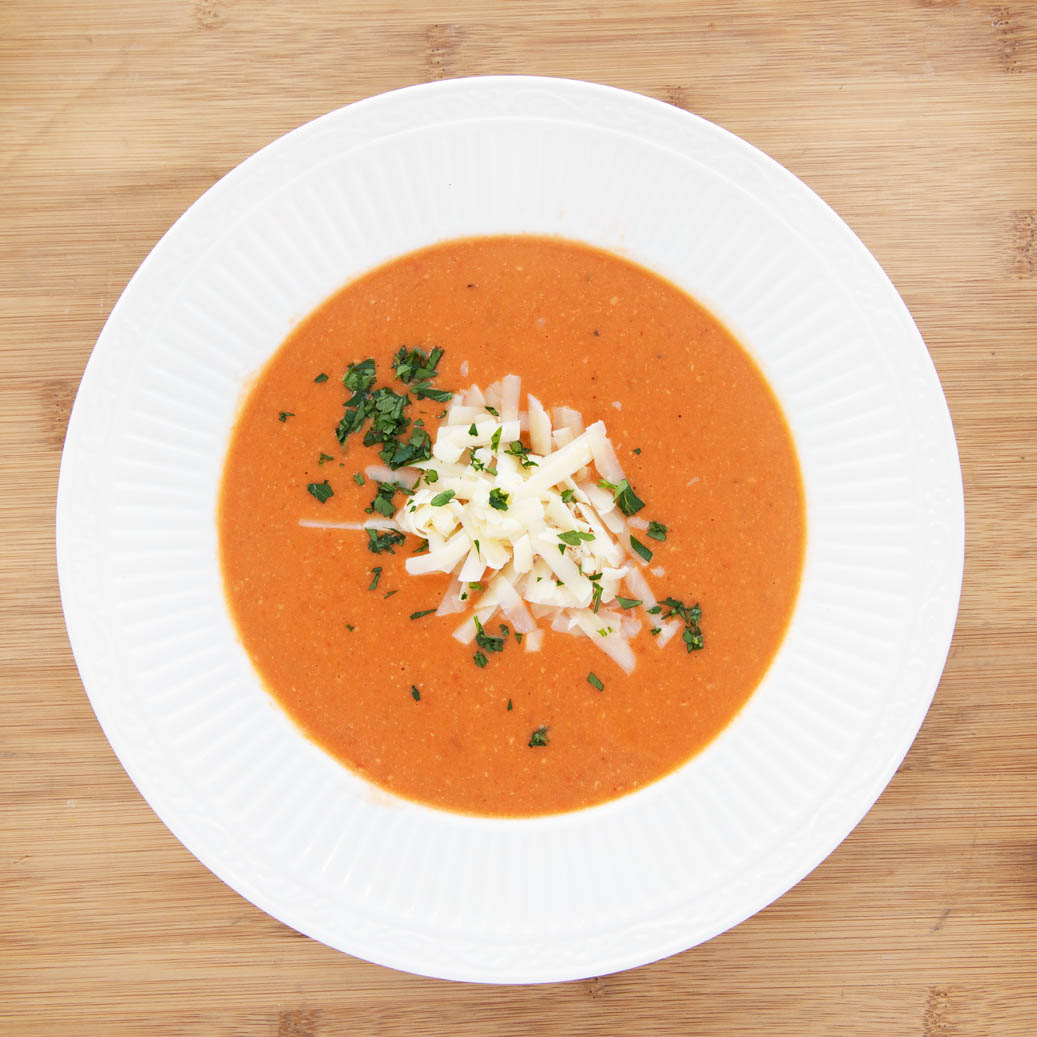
(480, 660)
(539, 737)
(495, 439)
(324, 457)
(424, 612)
(498, 499)
(284, 415)
(415, 694)
(509, 705)
(640, 548)
(321, 490)
(322, 377)
(595, 681)
(377, 570)
(472, 430)
(657, 531)
(574, 537)
(431, 476)
(442, 498)
(358, 478)
(384, 540)
(492, 410)
(628, 603)
(567, 496)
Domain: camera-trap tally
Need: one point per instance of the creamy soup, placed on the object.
(372, 660)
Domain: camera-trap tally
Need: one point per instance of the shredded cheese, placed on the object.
(548, 546)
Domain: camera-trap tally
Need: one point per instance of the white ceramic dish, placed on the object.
(583, 893)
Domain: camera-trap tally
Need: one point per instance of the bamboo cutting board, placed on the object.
(916, 120)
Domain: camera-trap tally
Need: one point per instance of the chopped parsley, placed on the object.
(538, 737)
(495, 439)
(377, 570)
(350, 627)
(284, 415)
(321, 490)
(423, 612)
(498, 499)
(431, 476)
(628, 603)
(691, 618)
(637, 450)
(509, 705)
(657, 531)
(360, 377)
(517, 449)
(442, 498)
(567, 496)
(389, 594)
(358, 478)
(640, 548)
(655, 630)
(595, 682)
(383, 499)
(518, 637)
(480, 660)
(628, 501)
(486, 641)
(324, 457)
(492, 410)
(416, 363)
(322, 377)
(472, 430)
(383, 540)
(596, 595)
(415, 694)
(574, 537)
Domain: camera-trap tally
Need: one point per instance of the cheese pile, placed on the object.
(527, 530)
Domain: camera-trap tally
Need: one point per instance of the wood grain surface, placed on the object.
(916, 121)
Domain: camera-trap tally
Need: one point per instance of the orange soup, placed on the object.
(348, 641)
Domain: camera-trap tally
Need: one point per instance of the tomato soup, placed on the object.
(345, 638)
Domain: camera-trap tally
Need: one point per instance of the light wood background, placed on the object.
(917, 121)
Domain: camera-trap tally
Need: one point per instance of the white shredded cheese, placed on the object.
(530, 523)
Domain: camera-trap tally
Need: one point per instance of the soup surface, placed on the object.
(700, 437)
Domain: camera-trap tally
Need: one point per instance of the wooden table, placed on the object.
(916, 120)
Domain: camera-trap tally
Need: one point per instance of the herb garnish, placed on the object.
(284, 415)
(691, 617)
(358, 478)
(322, 377)
(539, 737)
(480, 660)
(383, 499)
(324, 457)
(567, 495)
(423, 612)
(431, 476)
(640, 548)
(495, 439)
(492, 410)
(383, 540)
(443, 498)
(628, 501)
(416, 363)
(377, 570)
(484, 640)
(498, 499)
(595, 681)
(628, 603)
(517, 449)
(321, 490)
(657, 531)
(389, 594)
(574, 537)
(509, 705)
(415, 694)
